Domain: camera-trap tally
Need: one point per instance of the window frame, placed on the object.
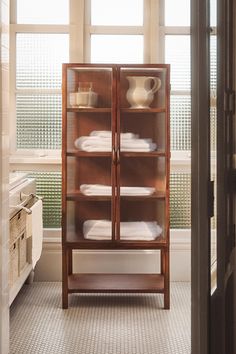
(79, 30)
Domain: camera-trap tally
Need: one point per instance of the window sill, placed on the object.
(38, 160)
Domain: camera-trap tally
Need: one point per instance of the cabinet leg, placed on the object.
(166, 280)
(70, 262)
(162, 262)
(65, 278)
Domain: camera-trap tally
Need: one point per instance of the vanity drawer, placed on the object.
(14, 263)
(17, 225)
(22, 251)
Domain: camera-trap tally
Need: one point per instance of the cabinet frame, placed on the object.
(158, 283)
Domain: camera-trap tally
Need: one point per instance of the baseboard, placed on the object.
(48, 267)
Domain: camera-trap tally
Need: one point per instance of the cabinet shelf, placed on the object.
(116, 283)
(143, 110)
(142, 154)
(77, 195)
(78, 153)
(134, 198)
(80, 196)
(75, 240)
(89, 110)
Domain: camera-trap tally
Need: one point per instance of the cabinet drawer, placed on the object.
(17, 225)
(22, 251)
(14, 263)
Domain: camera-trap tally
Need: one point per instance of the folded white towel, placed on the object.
(108, 134)
(135, 230)
(142, 145)
(93, 143)
(99, 189)
(35, 228)
(96, 143)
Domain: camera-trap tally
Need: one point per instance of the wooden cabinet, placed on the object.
(116, 157)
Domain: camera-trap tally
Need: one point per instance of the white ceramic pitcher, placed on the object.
(140, 93)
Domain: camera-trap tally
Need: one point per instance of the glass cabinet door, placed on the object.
(90, 140)
(143, 154)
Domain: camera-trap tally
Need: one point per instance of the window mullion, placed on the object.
(12, 96)
(77, 27)
(25, 28)
(38, 91)
(176, 30)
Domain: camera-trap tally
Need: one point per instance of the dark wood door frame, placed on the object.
(200, 171)
(222, 309)
(212, 316)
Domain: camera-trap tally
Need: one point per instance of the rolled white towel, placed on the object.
(99, 189)
(108, 134)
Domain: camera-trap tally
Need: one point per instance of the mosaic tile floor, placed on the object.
(99, 323)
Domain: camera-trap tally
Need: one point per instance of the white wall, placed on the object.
(128, 261)
(4, 150)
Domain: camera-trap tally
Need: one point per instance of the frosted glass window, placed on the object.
(39, 58)
(177, 53)
(117, 49)
(43, 11)
(117, 12)
(177, 12)
(213, 62)
(180, 122)
(213, 87)
(180, 200)
(48, 185)
(38, 121)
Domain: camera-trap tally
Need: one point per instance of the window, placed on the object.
(39, 46)
(176, 33)
(116, 48)
(43, 12)
(42, 39)
(38, 83)
(117, 13)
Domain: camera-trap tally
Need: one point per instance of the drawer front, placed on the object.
(17, 225)
(14, 263)
(22, 251)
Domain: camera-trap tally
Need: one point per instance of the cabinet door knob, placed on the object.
(118, 156)
(113, 155)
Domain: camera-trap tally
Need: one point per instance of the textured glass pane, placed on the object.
(48, 185)
(180, 122)
(43, 11)
(116, 49)
(213, 135)
(38, 121)
(39, 58)
(177, 53)
(177, 12)
(180, 200)
(213, 12)
(213, 54)
(213, 130)
(117, 12)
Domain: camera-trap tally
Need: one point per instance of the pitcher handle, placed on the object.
(157, 84)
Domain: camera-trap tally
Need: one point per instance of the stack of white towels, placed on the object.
(101, 140)
(101, 189)
(129, 230)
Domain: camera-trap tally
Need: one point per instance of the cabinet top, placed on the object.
(89, 66)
